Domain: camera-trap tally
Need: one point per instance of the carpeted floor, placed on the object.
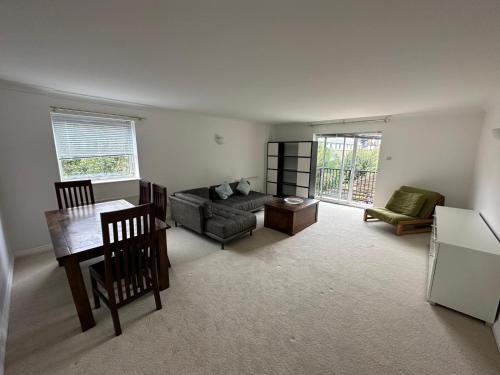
(341, 297)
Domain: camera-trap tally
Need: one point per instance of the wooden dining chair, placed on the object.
(129, 269)
(144, 192)
(160, 204)
(74, 193)
(160, 201)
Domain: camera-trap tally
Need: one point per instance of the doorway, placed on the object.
(347, 167)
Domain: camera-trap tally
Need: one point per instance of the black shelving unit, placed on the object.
(291, 168)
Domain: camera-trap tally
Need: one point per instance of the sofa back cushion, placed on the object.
(432, 198)
(206, 203)
(201, 192)
(406, 203)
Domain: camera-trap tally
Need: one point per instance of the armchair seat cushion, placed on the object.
(388, 216)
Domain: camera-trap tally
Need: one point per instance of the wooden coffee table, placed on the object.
(290, 218)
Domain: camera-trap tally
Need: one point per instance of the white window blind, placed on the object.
(99, 148)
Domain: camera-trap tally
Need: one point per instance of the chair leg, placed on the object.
(175, 223)
(222, 245)
(156, 292)
(399, 229)
(154, 284)
(365, 216)
(116, 320)
(97, 302)
(251, 233)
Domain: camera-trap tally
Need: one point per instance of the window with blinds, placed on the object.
(96, 148)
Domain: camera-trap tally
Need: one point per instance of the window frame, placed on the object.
(107, 180)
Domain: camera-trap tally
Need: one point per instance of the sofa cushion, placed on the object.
(224, 190)
(250, 202)
(406, 203)
(387, 215)
(227, 221)
(431, 199)
(201, 192)
(243, 187)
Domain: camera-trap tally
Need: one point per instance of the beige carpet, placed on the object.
(341, 297)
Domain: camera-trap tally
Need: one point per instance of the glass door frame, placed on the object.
(356, 136)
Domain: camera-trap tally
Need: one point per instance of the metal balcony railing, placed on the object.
(337, 184)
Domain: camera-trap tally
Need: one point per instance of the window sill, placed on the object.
(98, 182)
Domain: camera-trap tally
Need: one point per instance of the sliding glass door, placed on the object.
(347, 167)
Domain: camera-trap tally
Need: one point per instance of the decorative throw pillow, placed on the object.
(243, 187)
(405, 203)
(224, 190)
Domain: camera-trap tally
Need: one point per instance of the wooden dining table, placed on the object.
(76, 237)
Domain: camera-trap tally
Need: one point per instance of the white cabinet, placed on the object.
(464, 264)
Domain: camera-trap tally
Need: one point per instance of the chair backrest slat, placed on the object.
(160, 201)
(74, 193)
(132, 252)
(126, 263)
(144, 192)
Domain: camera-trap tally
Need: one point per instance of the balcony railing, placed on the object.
(334, 183)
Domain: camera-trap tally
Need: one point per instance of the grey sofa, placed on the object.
(202, 211)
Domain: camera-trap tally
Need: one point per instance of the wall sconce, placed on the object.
(219, 139)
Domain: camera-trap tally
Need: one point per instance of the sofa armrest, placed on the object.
(188, 214)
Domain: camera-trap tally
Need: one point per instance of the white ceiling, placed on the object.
(264, 60)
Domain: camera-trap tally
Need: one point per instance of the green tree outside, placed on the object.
(97, 166)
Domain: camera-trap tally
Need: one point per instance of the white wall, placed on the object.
(6, 268)
(176, 149)
(487, 178)
(429, 150)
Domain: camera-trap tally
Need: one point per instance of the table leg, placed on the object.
(80, 296)
(163, 260)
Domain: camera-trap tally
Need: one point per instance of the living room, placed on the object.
(207, 86)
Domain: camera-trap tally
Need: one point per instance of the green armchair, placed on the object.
(410, 210)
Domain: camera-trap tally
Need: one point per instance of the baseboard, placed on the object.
(32, 251)
(4, 318)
